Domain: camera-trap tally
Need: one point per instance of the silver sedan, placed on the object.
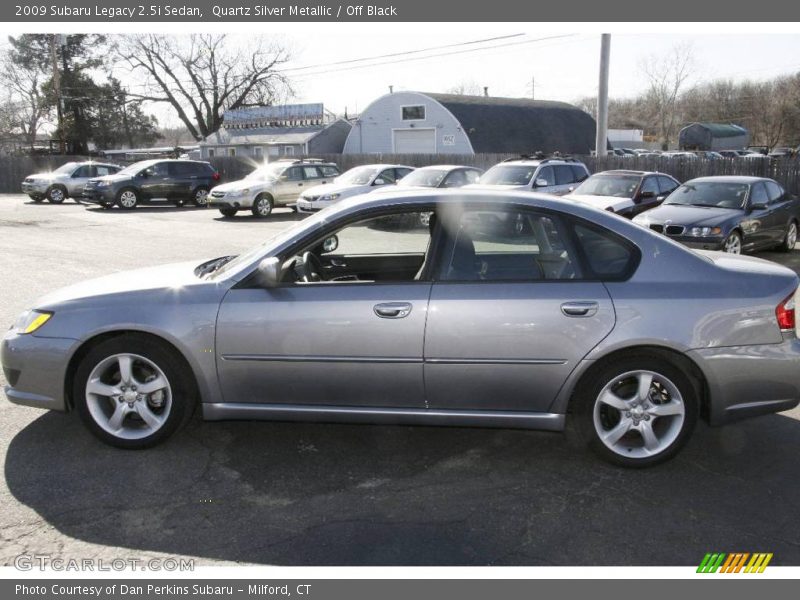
(504, 310)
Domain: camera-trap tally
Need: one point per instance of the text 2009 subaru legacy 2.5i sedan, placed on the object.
(506, 310)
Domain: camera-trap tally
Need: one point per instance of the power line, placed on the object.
(394, 54)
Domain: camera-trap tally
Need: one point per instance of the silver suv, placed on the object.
(550, 175)
(67, 181)
(274, 184)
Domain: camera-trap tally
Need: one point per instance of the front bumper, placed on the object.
(35, 368)
(229, 201)
(36, 189)
(311, 206)
(700, 243)
(99, 195)
(747, 381)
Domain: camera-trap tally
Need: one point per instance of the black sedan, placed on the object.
(733, 213)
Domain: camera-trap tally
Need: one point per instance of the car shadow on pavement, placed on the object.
(276, 217)
(302, 494)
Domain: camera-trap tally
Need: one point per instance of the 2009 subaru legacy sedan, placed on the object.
(504, 310)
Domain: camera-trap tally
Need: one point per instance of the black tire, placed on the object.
(262, 206)
(734, 239)
(629, 452)
(37, 199)
(107, 205)
(293, 209)
(127, 198)
(181, 382)
(200, 197)
(790, 239)
(228, 212)
(56, 194)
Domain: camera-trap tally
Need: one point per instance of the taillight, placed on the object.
(215, 176)
(785, 314)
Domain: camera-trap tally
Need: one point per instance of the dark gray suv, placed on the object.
(154, 182)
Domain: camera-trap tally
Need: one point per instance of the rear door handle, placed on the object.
(579, 309)
(392, 310)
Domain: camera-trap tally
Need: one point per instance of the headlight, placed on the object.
(103, 184)
(704, 231)
(327, 197)
(31, 320)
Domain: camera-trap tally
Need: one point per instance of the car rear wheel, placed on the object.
(127, 199)
(262, 207)
(56, 194)
(200, 197)
(637, 412)
(790, 239)
(132, 393)
(228, 212)
(733, 243)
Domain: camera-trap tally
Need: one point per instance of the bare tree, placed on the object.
(203, 75)
(27, 107)
(466, 87)
(666, 77)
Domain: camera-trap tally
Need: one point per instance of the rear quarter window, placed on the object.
(607, 256)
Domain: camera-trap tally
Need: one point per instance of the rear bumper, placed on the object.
(748, 381)
(35, 368)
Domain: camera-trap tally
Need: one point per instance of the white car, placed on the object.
(358, 180)
(67, 181)
(550, 175)
(625, 192)
(274, 184)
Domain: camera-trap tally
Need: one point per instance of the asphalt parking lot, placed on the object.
(313, 494)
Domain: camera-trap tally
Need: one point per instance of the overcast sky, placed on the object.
(564, 68)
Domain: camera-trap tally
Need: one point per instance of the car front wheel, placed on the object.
(262, 207)
(56, 194)
(132, 393)
(128, 199)
(733, 243)
(228, 212)
(637, 412)
(790, 239)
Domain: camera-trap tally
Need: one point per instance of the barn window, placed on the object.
(413, 113)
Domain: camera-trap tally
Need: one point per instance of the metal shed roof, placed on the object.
(521, 125)
(721, 130)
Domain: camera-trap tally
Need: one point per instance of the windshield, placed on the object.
(66, 168)
(266, 172)
(710, 193)
(424, 178)
(135, 167)
(281, 237)
(358, 176)
(620, 186)
(508, 175)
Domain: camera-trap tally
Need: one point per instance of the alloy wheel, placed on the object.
(639, 414)
(128, 396)
(128, 199)
(263, 206)
(201, 197)
(733, 245)
(791, 236)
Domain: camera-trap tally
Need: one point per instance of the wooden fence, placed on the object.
(786, 171)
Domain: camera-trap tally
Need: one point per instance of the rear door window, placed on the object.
(666, 184)
(329, 171)
(774, 191)
(579, 172)
(564, 175)
(607, 256)
(311, 173)
(758, 194)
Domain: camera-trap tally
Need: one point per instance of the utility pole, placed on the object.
(601, 145)
(57, 89)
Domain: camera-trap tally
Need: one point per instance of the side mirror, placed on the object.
(758, 206)
(541, 182)
(330, 244)
(645, 195)
(379, 181)
(269, 271)
(142, 174)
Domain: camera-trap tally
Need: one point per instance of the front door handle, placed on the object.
(392, 310)
(579, 309)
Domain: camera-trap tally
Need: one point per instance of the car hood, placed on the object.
(172, 276)
(689, 215)
(344, 189)
(112, 178)
(497, 188)
(42, 176)
(599, 201)
(236, 186)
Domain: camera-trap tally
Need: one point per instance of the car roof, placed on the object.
(747, 179)
(626, 172)
(382, 166)
(448, 167)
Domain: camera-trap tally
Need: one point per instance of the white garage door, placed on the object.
(414, 141)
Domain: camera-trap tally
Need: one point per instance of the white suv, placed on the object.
(274, 184)
(358, 180)
(550, 175)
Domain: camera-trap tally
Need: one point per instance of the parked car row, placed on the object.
(732, 213)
